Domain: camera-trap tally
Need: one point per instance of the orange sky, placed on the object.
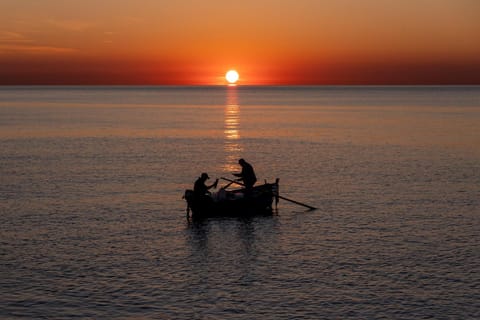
(267, 41)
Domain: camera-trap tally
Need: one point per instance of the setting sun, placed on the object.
(232, 76)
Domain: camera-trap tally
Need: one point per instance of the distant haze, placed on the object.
(266, 41)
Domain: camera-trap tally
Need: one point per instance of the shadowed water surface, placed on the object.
(92, 223)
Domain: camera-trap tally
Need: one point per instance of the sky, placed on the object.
(269, 42)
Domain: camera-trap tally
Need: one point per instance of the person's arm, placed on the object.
(214, 185)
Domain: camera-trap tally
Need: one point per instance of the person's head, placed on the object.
(204, 176)
(241, 162)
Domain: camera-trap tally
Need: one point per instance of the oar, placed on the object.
(299, 203)
(281, 197)
(232, 181)
(228, 185)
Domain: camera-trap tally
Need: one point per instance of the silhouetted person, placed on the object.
(200, 189)
(247, 175)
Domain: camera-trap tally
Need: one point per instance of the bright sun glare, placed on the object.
(232, 76)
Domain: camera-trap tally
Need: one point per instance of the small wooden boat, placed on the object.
(238, 202)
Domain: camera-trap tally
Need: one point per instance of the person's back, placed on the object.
(248, 174)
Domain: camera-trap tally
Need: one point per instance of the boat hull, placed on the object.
(241, 202)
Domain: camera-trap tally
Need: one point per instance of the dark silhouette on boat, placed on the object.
(247, 175)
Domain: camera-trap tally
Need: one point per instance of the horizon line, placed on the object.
(242, 85)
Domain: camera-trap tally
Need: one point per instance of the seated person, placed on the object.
(200, 189)
(247, 175)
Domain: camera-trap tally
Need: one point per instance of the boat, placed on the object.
(235, 203)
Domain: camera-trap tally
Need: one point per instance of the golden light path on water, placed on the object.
(232, 146)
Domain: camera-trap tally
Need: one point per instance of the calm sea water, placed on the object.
(92, 221)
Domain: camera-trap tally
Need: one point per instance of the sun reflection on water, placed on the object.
(232, 146)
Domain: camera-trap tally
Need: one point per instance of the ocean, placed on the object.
(93, 224)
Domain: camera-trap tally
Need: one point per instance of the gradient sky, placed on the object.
(267, 41)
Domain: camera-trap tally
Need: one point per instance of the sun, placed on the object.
(232, 76)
